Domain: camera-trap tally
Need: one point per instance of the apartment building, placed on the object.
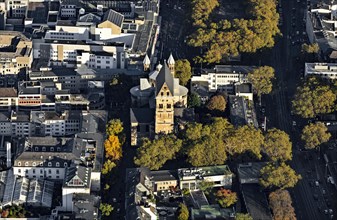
(16, 8)
(8, 99)
(322, 70)
(16, 52)
(222, 78)
(72, 54)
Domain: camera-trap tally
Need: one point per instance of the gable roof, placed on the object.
(165, 76)
(114, 17)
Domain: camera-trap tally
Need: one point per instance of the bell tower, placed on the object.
(146, 63)
(171, 62)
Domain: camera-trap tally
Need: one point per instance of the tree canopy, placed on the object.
(183, 71)
(217, 103)
(277, 145)
(114, 127)
(205, 145)
(108, 166)
(154, 154)
(261, 79)
(310, 48)
(281, 176)
(313, 98)
(281, 205)
(226, 197)
(194, 100)
(106, 209)
(243, 139)
(183, 213)
(242, 216)
(225, 38)
(113, 148)
(315, 134)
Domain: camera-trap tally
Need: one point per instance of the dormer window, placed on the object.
(43, 148)
(26, 164)
(52, 149)
(57, 164)
(19, 163)
(49, 164)
(65, 164)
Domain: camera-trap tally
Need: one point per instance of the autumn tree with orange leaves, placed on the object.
(226, 197)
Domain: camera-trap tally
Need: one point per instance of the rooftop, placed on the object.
(256, 202)
(205, 171)
(85, 206)
(163, 175)
(250, 172)
(142, 115)
(8, 92)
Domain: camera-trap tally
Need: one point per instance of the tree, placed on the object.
(108, 166)
(242, 216)
(183, 71)
(114, 81)
(243, 139)
(217, 103)
(226, 197)
(205, 186)
(282, 176)
(281, 205)
(183, 213)
(113, 148)
(261, 79)
(194, 100)
(207, 138)
(277, 145)
(154, 154)
(106, 187)
(313, 98)
(315, 134)
(114, 127)
(310, 48)
(106, 209)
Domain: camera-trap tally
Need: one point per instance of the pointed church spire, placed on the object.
(171, 60)
(146, 63)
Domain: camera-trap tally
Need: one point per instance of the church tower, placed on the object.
(171, 62)
(146, 63)
(164, 116)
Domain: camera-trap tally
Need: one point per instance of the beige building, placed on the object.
(157, 100)
(112, 20)
(16, 52)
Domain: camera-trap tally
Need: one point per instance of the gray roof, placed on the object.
(114, 17)
(90, 17)
(141, 115)
(186, 114)
(256, 202)
(244, 88)
(80, 173)
(165, 76)
(163, 175)
(85, 206)
(250, 172)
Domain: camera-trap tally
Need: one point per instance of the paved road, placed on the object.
(288, 65)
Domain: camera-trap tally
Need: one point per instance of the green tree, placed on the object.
(281, 205)
(315, 134)
(106, 209)
(281, 176)
(313, 98)
(243, 139)
(207, 138)
(183, 213)
(108, 166)
(183, 71)
(261, 79)
(106, 186)
(217, 103)
(205, 186)
(226, 197)
(242, 216)
(277, 145)
(194, 100)
(154, 154)
(310, 48)
(114, 127)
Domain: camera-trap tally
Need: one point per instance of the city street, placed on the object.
(310, 201)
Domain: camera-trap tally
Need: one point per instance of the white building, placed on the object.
(189, 178)
(221, 78)
(323, 70)
(63, 53)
